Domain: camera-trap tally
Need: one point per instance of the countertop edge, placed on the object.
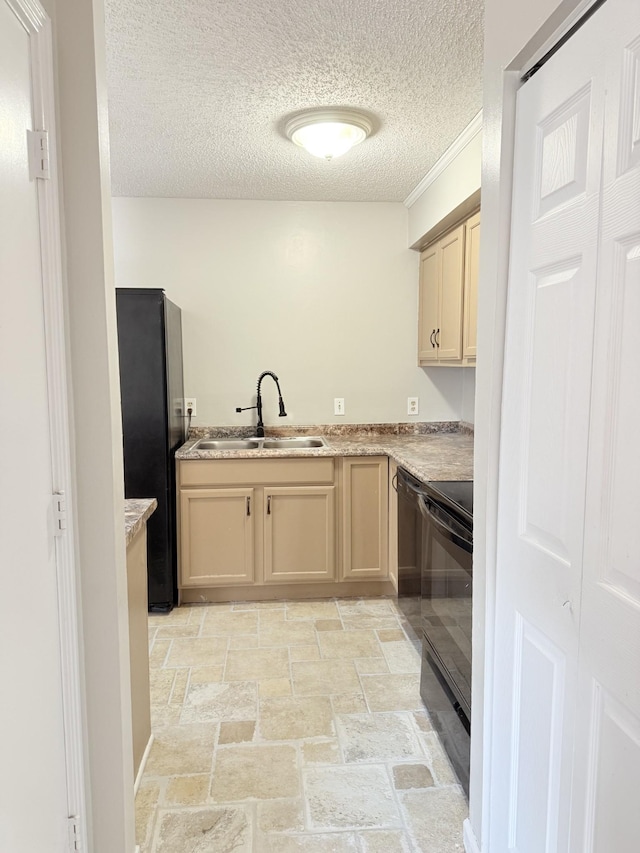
(136, 514)
(420, 455)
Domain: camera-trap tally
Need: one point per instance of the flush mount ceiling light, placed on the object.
(328, 133)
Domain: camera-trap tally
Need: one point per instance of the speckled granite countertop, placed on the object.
(440, 454)
(136, 513)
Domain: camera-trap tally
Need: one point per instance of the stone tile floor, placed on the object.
(292, 726)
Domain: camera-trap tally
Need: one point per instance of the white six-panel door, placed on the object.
(566, 693)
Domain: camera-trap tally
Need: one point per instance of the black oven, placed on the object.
(437, 545)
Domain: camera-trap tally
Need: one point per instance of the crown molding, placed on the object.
(459, 144)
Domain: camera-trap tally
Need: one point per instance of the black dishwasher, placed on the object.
(435, 547)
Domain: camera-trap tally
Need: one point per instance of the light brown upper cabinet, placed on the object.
(471, 268)
(448, 284)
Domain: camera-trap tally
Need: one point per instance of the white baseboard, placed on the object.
(141, 768)
(470, 843)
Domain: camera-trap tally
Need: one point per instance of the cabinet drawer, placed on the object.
(255, 472)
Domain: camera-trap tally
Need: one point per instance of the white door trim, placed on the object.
(38, 26)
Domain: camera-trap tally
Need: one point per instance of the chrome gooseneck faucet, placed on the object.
(282, 413)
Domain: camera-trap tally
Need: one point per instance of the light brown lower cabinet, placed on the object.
(299, 534)
(270, 525)
(217, 536)
(365, 517)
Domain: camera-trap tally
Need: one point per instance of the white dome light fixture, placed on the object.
(328, 133)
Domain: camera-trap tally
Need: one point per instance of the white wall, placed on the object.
(468, 395)
(323, 294)
(453, 186)
(514, 33)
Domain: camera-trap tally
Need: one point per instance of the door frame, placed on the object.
(488, 413)
(38, 26)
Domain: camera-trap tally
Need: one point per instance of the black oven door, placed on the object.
(446, 581)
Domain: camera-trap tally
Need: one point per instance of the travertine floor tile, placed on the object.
(392, 692)
(377, 737)
(440, 764)
(328, 625)
(179, 687)
(200, 651)
(406, 776)
(321, 752)
(206, 674)
(260, 663)
(251, 699)
(435, 819)
(287, 634)
(401, 657)
(312, 610)
(254, 772)
(371, 666)
(368, 613)
(220, 829)
(168, 632)
(269, 687)
(229, 622)
(349, 644)
(335, 842)
(240, 732)
(422, 720)
(280, 816)
(158, 653)
(349, 703)
(304, 652)
(180, 750)
(244, 641)
(293, 717)
(392, 635)
(350, 797)
(187, 790)
(146, 804)
(385, 841)
(164, 715)
(161, 685)
(212, 703)
(324, 677)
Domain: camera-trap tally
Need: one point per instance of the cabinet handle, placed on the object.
(269, 505)
(433, 331)
(438, 338)
(248, 506)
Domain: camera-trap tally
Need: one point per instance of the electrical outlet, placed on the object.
(338, 406)
(190, 403)
(413, 406)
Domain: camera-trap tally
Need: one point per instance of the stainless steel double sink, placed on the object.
(301, 442)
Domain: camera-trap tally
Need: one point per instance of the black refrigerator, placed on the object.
(153, 425)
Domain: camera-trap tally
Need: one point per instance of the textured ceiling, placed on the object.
(199, 90)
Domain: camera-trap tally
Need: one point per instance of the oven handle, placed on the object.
(406, 482)
(443, 528)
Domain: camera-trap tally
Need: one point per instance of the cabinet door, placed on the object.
(299, 534)
(216, 537)
(428, 306)
(365, 517)
(472, 255)
(449, 336)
